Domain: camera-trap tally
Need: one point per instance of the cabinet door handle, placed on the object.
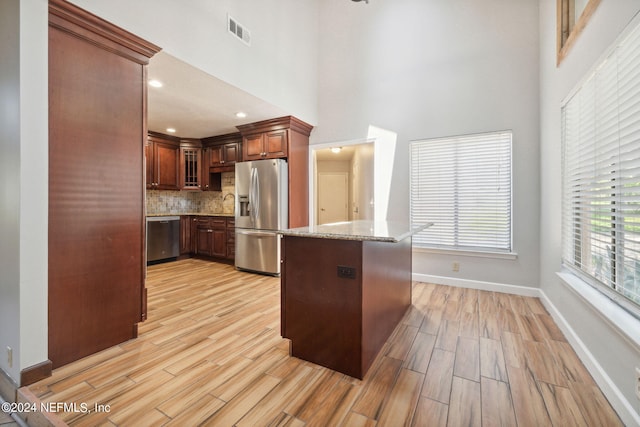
(221, 162)
(209, 231)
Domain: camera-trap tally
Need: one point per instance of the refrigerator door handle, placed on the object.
(252, 196)
(256, 201)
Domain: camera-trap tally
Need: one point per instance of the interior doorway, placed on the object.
(353, 161)
(333, 197)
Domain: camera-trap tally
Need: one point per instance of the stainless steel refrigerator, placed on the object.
(261, 209)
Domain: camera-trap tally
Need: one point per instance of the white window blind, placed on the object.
(601, 175)
(463, 185)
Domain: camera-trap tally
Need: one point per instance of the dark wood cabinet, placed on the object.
(173, 163)
(231, 238)
(224, 155)
(342, 321)
(219, 237)
(211, 237)
(185, 235)
(162, 162)
(194, 232)
(284, 137)
(97, 132)
(220, 155)
(252, 147)
(204, 241)
(191, 173)
(265, 145)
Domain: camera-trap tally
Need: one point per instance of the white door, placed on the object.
(333, 197)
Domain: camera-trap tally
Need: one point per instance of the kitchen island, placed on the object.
(345, 287)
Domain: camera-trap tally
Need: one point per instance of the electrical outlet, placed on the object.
(638, 382)
(455, 266)
(10, 357)
(346, 272)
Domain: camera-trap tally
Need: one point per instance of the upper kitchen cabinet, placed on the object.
(163, 162)
(190, 164)
(97, 130)
(284, 137)
(265, 145)
(273, 139)
(223, 151)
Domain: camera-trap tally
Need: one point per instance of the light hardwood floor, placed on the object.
(210, 353)
(6, 420)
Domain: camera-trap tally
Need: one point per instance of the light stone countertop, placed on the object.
(380, 231)
(229, 215)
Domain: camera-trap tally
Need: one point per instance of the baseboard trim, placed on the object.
(622, 406)
(35, 373)
(476, 284)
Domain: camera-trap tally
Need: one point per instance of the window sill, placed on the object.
(469, 253)
(623, 321)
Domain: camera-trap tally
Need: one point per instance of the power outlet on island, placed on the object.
(637, 382)
(455, 266)
(10, 357)
(346, 272)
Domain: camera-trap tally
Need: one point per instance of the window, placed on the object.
(463, 185)
(573, 16)
(601, 176)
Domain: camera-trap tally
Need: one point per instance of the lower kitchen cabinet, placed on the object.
(231, 238)
(218, 237)
(203, 244)
(208, 236)
(186, 246)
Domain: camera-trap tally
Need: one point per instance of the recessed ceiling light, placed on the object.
(155, 83)
(241, 114)
(336, 149)
(171, 130)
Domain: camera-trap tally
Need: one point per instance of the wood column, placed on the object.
(97, 131)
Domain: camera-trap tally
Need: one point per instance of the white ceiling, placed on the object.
(197, 104)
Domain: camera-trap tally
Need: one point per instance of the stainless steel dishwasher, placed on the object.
(163, 238)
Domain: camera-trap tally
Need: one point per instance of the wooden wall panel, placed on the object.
(97, 129)
(298, 179)
(386, 297)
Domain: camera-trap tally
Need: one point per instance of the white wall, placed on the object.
(9, 170)
(24, 180)
(34, 182)
(434, 68)
(280, 67)
(615, 355)
(363, 182)
(333, 166)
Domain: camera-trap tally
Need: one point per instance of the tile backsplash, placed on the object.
(160, 202)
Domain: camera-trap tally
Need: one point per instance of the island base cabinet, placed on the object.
(342, 299)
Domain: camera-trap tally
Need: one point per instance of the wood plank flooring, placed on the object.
(6, 420)
(211, 354)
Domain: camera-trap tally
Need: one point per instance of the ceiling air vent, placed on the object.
(239, 30)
